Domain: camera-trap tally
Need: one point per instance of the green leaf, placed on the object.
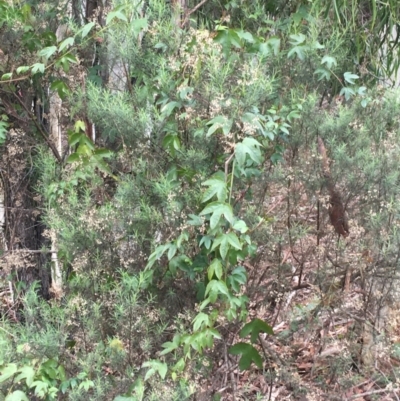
(228, 38)
(362, 91)
(172, 251)
(347, 92)
(195, 220)
(117, 13)
(249, 355)
(299, 51)
(38, 67)
(251, 147)
(234, 240)
(180, 365)
(124, 398)
(61, 88)
(74, 157)
(74, 138)
(155, 367)
(201, 321)
(84, 140)
(159, 251)
(215, 268)
(171, 346)
(3, 131)
(255, 327)
(216, 187)
(103, 153)
(65, 61)
(7, 76)
(86, 384)
(317, 45)
(323, 74)
(65, 44)
(79, 126)
(206, 240)
(297, 39)
(183, 237)
(247, 36)
(8, 371)
(226, 241)
(47, 52)
(22, 69)
(256, 120)
(17, 395)
(61, 371)
(237, 278)
(219, 122)
(41, 388)
(240, 226)
(84, 150)
(27, 373)
(293, 114)
(272, 44)
(86, 29)
(168, 108)
(172, 142)
(217, 209)
(71, 58)
(217, 287)
(139, 25)
(329, 61)
(349, 77)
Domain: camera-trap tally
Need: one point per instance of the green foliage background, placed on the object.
(160, 225)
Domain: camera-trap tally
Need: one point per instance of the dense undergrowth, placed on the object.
(198, 261)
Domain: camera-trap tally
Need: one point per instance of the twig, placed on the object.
(40, 129)
(191, 12)
(29, 251)
(16, 251)
(383, 390)
(232, 374)
(12, 335)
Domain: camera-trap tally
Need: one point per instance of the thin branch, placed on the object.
(40, 129)
(383, 390)
(191, 12)
(16, 251)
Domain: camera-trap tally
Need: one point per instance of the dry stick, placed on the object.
(40, 129)
(387, 379)
(232, 374)
(383, 390)
(224, 381)
(128, 79)
(16, 251)
(10, 334)
(191, 12)
(227, 164)
(301, 264)
(266, 357)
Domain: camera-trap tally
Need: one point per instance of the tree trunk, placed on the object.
(23, 232)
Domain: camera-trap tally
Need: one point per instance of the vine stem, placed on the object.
(231, 188)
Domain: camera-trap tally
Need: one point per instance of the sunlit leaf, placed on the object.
(86, 29)
(17, 395)
(65, 44)
(350, 77)
(47, 52)
(38, 67)
(329, 61)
